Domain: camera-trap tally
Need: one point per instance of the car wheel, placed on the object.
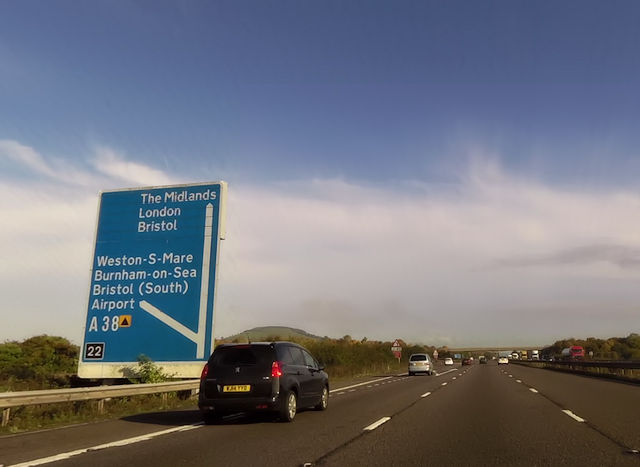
(410, 373)
(324, 400)
(288, 407)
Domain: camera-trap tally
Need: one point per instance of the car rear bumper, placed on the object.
(245, 404)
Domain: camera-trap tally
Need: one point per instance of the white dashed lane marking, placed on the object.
(533, 390)
(574, 416)
(375, 425)
(359, 384)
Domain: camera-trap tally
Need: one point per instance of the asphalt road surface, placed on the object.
(474, 415)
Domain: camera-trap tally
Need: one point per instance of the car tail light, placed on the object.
(205, 371)
(276, 369)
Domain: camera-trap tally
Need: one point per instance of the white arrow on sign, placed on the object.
(199, 336)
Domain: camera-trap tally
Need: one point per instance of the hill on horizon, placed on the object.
(261, 333)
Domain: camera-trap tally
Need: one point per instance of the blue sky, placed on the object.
(449, 110)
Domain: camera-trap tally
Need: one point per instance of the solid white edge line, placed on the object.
(426, 394)
(533, 390)
(361, 384)
(375, 425)
(574, 416)
(113, 444)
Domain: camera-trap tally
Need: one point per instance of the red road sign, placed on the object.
(396, 348)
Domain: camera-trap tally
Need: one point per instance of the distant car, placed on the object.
(448, 361)
(420, 363)
(277, 377)
(466, 361)
(482, 360)
(503, 361)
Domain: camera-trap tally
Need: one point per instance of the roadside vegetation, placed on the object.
(50, 362)
(40, 362)
(346, 357)
(614, 348)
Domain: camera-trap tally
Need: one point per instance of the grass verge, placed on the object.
(38, 417)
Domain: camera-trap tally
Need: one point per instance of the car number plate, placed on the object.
(237, 388)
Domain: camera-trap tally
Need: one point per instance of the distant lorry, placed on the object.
(534, 355)
(523, 355)
(515, 355)
(575, 352)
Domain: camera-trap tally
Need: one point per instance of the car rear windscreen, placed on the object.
(418, 358)
(242, 356)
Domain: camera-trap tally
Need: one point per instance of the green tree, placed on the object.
(149, 372)
(40, 362)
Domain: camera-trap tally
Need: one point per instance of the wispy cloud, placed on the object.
(109, 162)
(619, 255)
(335, 257)
(111, 168)
(26, 156)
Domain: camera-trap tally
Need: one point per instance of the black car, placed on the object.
(277, 377)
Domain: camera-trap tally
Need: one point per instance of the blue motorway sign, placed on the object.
(153, 279)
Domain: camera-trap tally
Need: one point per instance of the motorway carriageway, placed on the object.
(474, 415)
